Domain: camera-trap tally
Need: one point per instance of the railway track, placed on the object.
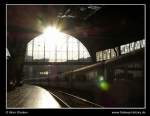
(71, 101)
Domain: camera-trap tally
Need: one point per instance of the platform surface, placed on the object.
(30, 96)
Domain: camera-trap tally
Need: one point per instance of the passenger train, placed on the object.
(122, 78)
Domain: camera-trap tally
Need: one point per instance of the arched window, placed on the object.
(7, 54)
(58, 47)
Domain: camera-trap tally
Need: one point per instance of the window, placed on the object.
(110, 53)
(132, 46)
(44, 73)
(105, 54)
(60, 48)
(7, 54)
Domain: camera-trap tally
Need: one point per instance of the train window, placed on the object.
(128, 71)
(91, 75)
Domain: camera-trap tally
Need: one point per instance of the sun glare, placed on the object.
(52, 34)
(56, 46)
(51, 30)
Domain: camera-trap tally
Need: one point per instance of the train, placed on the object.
(120, 78)
(127, 67)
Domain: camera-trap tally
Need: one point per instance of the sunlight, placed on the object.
(56, 46)
(51, 30)
(52, 34)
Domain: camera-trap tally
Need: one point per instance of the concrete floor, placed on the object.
(29, 96)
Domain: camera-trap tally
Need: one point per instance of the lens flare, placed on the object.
(104, 85)
(51, 30)
(101, 78)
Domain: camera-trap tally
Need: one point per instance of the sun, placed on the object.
(50, 30)
(52, 34)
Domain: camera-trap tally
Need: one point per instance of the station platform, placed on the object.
(30, 97)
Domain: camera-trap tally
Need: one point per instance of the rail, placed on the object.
(71, 100)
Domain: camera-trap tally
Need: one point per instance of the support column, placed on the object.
(15, 65)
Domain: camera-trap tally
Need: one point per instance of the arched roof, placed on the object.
(98, 27)
(55, 46)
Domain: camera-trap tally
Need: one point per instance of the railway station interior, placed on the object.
(75, 56)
